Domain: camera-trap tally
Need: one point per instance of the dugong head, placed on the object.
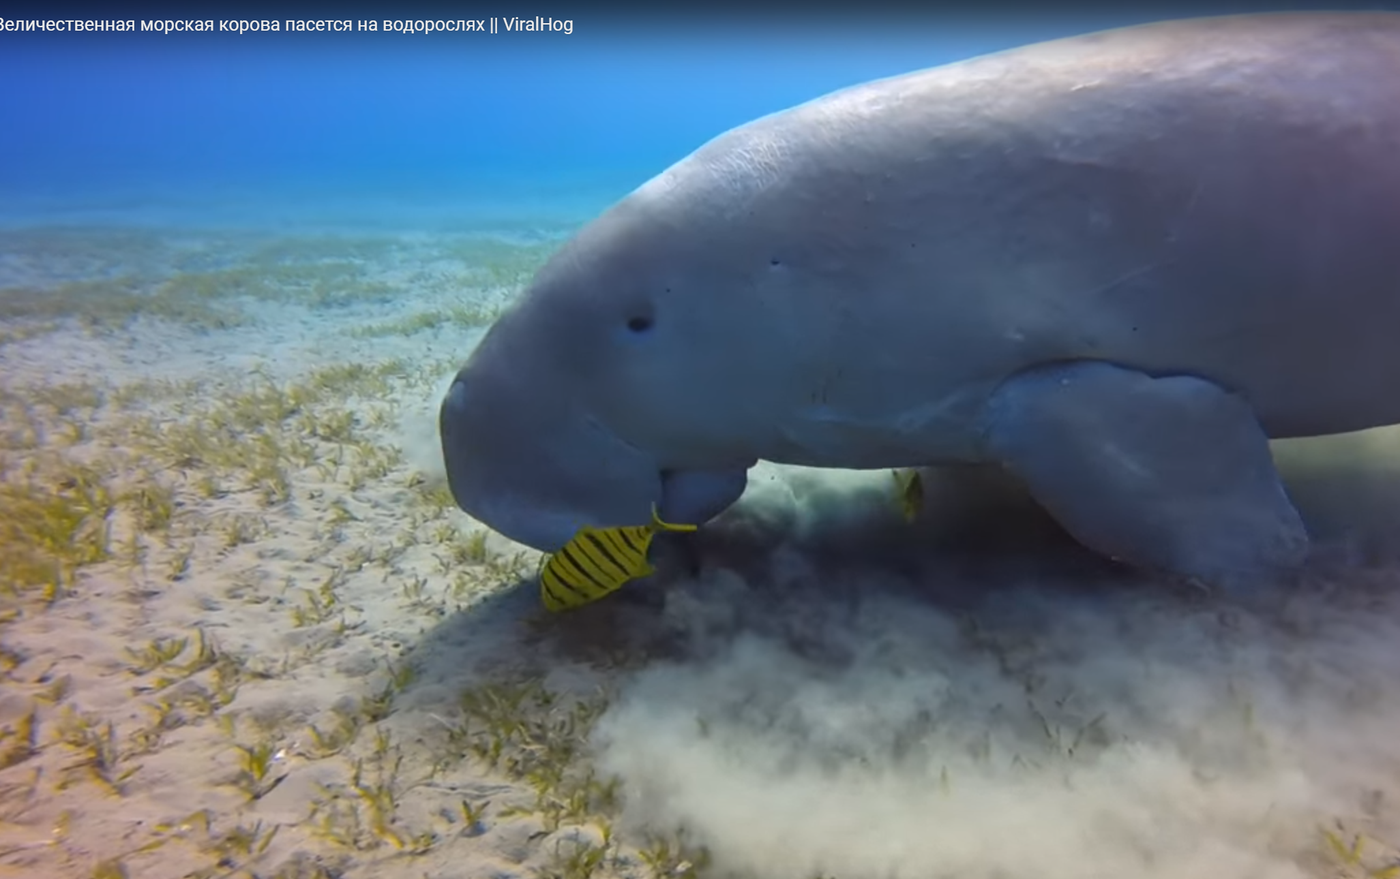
(607, 386)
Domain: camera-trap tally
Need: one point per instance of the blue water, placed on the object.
(270, 129)
(846, 665)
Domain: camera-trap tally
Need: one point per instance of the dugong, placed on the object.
(1116, 265)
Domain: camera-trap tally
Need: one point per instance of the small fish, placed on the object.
(599, 561)
(910, 486)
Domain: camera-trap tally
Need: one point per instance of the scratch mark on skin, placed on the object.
(1126, 277)
(1185, 213)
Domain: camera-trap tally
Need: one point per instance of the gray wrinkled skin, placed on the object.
(892, 275)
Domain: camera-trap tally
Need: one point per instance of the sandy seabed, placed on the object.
(244, 631)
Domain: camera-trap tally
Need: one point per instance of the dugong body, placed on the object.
(1116, 264)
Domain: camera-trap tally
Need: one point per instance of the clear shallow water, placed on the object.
(275, 128)
(219, 427)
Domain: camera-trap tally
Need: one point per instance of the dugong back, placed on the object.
(1216, 197)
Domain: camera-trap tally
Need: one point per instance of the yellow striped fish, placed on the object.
(910, 486)
(599, 561)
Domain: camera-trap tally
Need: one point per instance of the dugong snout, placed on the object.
(536, 469)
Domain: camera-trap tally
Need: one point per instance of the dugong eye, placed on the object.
(639, 324)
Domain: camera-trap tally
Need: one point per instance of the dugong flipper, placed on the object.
(1167, 473)
(1116, 264)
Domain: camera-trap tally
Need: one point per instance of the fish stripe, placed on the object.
(578, 580)
(617, 546)
(636, 539)
(555, 591)
(562, 595)
(583, 576)
(558, 583)
(552, 601)
(581, 573)
(639, 566)
(590, 546)
(550, 587)
(606, 581)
